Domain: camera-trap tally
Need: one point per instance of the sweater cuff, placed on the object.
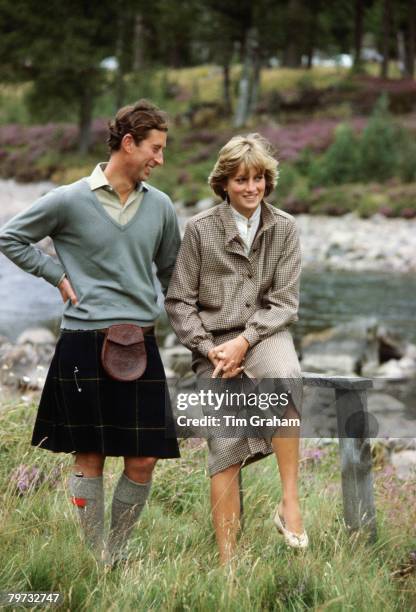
(251, 335)
(205, 346)
(52, 272)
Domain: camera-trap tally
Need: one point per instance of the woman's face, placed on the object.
(246, 189)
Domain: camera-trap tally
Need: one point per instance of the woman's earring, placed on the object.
(227, 197)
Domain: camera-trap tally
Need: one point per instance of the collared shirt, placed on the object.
(247, 228)
(122, 213)
(216, 287)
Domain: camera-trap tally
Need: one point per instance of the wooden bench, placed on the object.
(355, 451)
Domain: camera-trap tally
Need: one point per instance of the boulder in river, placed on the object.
(361, 347)
(176, 359)
(36, 335)
(342, 349)
(24, 365)
(405, 464)
(391, 416)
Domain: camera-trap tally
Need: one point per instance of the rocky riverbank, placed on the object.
(351, 243)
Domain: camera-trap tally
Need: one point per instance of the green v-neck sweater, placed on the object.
(109, 265)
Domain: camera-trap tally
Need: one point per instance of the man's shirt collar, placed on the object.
(98, 180)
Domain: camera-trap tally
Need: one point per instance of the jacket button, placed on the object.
(249, 275)
(248, 305)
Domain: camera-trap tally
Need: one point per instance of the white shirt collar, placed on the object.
(255, 217)
(247, 228)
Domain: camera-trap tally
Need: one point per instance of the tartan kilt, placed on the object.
(83, 410)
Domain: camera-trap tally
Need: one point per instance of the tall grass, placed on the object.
(173, 564)
(12, 104)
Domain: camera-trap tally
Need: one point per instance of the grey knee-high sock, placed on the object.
(88, 495)
(128, 502)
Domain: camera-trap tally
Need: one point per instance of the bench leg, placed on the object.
(356, 461)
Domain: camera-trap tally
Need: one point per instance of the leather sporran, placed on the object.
(123, 354)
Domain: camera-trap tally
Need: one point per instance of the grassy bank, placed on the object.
(174, 563)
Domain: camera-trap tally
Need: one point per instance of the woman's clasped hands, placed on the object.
(228, 357)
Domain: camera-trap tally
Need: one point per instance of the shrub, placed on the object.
(305, 83)
(365, 200)
(341, 162)
(384, 150)
(407, 158)
(288, 177)
(298, 202)
(379, 146)
(402, 200)
(370, 202)
(334, 201)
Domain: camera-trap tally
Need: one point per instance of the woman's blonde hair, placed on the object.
(253, 151)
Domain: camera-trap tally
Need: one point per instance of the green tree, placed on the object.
(379, 145)
(59, 49)
(341, 162)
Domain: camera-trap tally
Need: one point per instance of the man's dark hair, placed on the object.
(135, 119)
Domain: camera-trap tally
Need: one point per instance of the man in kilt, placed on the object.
(108, 230)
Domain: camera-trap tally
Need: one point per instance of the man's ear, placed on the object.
(127, 143)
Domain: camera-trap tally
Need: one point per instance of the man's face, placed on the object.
(147, 154)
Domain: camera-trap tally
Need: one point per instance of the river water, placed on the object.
(332, 297)
(327, 299)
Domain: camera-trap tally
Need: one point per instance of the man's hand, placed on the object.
(67, 291)
(227, 357)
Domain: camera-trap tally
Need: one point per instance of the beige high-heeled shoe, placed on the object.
(292, 539)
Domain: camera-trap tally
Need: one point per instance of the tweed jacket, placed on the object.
(215, 287)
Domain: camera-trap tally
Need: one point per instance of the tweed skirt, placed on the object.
(83, 410)
(273, 358)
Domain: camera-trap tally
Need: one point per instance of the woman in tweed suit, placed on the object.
(233, 293)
